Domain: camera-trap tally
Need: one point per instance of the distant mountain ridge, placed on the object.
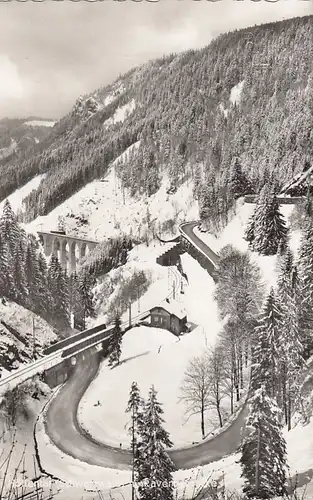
(19, 134)
(247, 96)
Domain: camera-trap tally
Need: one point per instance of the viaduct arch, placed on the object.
(68, 249)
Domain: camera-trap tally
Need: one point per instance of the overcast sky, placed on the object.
(52, 52)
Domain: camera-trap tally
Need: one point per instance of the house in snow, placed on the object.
(169, 316)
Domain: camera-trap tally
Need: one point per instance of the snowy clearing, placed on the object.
(121, 113)
(223, 110)
(235, 93)
(16, 198)
(109, 213)
(41, 123)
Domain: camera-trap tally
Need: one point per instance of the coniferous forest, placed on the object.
(186, 124)
(27, 278)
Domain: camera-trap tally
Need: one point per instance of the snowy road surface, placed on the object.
(63, 428)
(187, 229)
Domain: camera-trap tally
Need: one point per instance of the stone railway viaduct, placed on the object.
(68, 249)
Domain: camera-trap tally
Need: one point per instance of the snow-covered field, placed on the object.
(153, 356)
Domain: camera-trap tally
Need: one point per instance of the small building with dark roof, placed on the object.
(169, 316)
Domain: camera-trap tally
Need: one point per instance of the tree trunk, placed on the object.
(219, 413)
(202, 420)
(240, 369)
(246, 354)
(257, 463)
(133, 461)
(289, 412)
(285, 404)
(236, 380)
(232, 393)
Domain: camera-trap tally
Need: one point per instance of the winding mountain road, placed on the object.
(63, 428)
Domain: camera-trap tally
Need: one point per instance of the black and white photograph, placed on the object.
(156, 250)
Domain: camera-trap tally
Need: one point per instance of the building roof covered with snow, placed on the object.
(172, 307)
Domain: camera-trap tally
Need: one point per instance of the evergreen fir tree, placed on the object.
(155, 466)
(115, 344)
(58, 289)
(291, 352)
(266, 348)
(74, 301)
(134, 407)
(9, 228)
(263, 459)
(270, 229)
(84, 297)
(284, 283)
(308, 205)
(32, 273)
(306, 283)
(43, 296)
(250, 230)
(19, 274)
(197, 182)
(238, 182)
(6, 274)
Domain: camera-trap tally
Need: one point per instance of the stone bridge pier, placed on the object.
(69, 249)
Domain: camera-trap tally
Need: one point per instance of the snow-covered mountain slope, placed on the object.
(21, 332)
(16, 198)
(109, 210)
(184, 108)
(233, 234)
(18, 135)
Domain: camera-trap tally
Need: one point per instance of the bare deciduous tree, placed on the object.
(204, 384)
(233, 342)
(195, 389)
(218, 378)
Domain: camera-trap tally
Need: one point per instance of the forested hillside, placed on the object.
(18, 135)
(241, 106)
